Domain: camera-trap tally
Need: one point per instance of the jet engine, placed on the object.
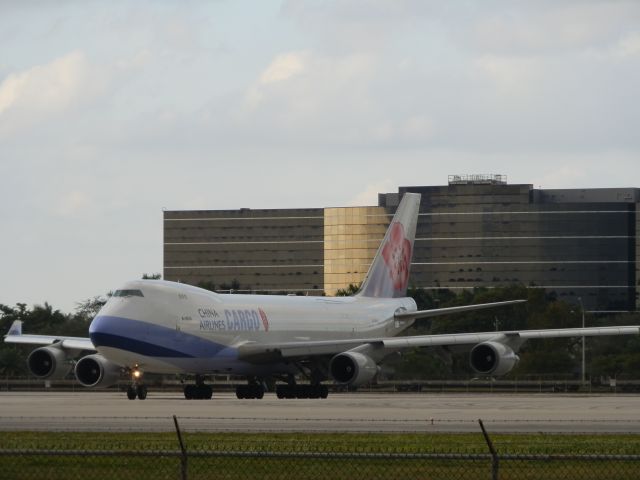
(352, 368)
(48, 362)
(96, 371)
(493, 358)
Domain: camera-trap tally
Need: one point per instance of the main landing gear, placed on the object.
(302, 391)
(293, 390)
(199, 391)
(137, 389)
(251, 391)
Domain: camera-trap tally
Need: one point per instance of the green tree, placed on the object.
(233, 286)
(12, 362)
(90, 307)
(349, 291)
(207, 285)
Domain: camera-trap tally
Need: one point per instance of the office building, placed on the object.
(476, 231)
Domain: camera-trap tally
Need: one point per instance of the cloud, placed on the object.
(306, 97)
(73, 203)
(302, 96)
(48, 87)
(49, 91)
(570, 174)
(533, 28)
(629, 45)
(350, 26)
(510, 75)
(284, 66)
(369, 196)
(503, 77)
(418, 128)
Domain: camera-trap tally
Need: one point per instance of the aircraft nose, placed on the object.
(117, 332)
(101, 328)
(121, 333)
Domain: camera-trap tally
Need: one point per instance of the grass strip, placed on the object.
(246, 455)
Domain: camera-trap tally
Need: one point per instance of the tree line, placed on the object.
(606, 356)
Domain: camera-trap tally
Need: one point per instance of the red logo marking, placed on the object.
(265, 320)
(397, 256)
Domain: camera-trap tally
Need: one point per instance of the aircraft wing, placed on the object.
(517, 336)
(444, 311)
(70, 343)
(261, 352)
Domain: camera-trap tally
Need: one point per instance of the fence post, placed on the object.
(183, 457)
(495, 460)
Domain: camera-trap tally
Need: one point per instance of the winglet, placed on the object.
(15, 328)
(388, 276)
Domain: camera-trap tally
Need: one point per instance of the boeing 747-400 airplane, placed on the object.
(166, 327)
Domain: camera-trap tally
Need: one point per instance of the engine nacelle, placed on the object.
(352, 368)
(493, 358)
(96, 371)
(48, 362)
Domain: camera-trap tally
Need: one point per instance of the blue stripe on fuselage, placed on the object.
(150, 339)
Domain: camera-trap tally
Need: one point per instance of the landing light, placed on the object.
(137, 374)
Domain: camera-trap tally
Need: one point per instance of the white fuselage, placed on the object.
(172, 328)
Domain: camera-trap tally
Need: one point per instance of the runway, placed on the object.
(352, 412)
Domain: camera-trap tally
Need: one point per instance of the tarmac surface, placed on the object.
(348, 412)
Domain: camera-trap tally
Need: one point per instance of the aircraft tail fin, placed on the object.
(388, 275)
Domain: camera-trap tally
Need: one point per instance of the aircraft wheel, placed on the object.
(314, 391)
(241, 392)
(201, 392)
(189, 393)
(287, 391)
(259, 392)
(142, 392)
(324, 391)
(250, 392)
(131, 392)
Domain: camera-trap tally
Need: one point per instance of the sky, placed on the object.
(111, 112)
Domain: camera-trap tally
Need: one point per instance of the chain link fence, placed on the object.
(271, 459)
(155, 465)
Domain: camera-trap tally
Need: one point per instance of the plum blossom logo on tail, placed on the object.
(397, 256)
(265, 320)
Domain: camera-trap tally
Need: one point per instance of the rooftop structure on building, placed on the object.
(478, 179)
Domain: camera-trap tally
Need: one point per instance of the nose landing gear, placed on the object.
(137, 389)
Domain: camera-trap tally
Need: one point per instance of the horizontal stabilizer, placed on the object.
(445, 311)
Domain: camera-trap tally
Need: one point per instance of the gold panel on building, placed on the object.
(351, 238)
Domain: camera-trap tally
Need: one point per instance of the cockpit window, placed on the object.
(128, 293)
